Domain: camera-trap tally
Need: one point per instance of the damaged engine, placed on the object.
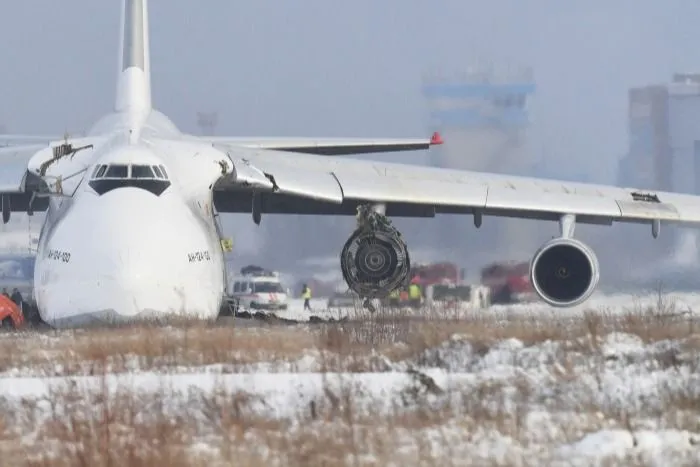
(375, 260)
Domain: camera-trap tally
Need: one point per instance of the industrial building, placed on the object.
(664, 136)
(664, 151)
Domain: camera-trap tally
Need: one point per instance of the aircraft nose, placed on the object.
(128, 259)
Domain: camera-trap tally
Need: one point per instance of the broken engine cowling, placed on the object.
(564, 272)
(375, 261)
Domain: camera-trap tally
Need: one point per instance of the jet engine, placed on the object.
(375, 260)
(564, 272)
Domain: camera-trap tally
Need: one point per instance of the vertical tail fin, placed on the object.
(134, 79)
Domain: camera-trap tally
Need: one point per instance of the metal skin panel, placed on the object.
(289, 180)
(247, 175)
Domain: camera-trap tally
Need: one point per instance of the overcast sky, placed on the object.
(327, 67)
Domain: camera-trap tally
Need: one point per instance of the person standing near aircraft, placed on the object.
(414, 293)
(306, 295)
(17, 298)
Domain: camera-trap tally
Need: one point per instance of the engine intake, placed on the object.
(564, 272)
(375, 262)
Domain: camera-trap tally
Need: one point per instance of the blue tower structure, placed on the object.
(479, 102)
(482, 108)
(483, 115)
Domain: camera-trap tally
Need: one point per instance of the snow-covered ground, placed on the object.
(681, 303)
(523, 385)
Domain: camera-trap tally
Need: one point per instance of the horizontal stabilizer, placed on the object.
(14, 139)
(329, 146)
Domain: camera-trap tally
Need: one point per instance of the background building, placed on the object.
(663, 154)
(483, 116)
(648, 163)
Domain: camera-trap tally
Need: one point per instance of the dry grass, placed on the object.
(74, 428)
(429, 425)
(345, 346)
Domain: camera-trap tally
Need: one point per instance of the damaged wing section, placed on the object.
(31, 174)
(280, 180)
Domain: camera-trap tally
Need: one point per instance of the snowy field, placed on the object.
(613, 383)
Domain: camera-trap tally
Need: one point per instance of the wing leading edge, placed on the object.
(272, 182)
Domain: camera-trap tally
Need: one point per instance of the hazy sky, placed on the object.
(349, 68)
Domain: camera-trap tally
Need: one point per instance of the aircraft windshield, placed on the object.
(117, 171)
(141, 171)
(268, 287)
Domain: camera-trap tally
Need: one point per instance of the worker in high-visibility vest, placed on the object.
(306, 295)
(414, 294)
(394, 298)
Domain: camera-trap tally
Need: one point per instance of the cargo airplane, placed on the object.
(131, 227)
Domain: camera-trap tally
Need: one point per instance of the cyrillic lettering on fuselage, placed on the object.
(58, 255)
(198, 256)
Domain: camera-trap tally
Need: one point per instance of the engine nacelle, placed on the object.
(375, 261)
(564, 272)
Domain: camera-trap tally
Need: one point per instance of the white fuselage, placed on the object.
(130, 254)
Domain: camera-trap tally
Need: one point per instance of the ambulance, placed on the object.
(258, 289)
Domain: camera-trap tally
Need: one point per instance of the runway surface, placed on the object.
(682, 304)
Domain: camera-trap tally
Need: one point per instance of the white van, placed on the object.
(258, 292)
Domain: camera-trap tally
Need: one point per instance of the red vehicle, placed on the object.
(436, 273)
(10, 315)
(509, 282)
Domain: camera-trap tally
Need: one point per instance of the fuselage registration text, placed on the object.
(59, 255)
(198, 256)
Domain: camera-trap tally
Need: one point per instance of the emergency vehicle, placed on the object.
(257, 289)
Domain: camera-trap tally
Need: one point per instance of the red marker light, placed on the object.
(436, 139)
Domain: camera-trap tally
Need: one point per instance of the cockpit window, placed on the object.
(165, 174)
(117, 171)
(159, 174)
(141, 171)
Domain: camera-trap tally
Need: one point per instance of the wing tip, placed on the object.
(436, 139)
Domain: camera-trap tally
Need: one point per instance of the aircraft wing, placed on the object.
(26, 170)
(329, 146)
(308, 184)
(6, 140)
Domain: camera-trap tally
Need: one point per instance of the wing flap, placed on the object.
(500, 198)
(640, 210)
